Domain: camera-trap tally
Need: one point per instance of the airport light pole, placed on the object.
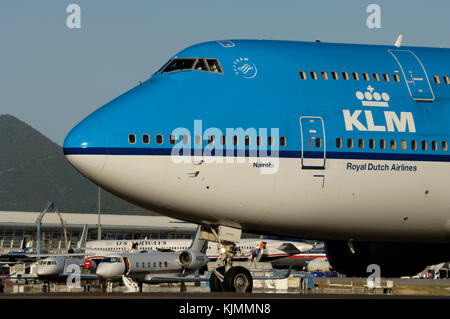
(99, 226)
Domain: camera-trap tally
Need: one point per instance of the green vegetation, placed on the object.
(33, 171)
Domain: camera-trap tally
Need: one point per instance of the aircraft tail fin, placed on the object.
(197, 243)
(83, 237)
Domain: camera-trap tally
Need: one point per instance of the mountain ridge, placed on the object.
(33, 172)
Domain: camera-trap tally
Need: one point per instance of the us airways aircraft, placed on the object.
(155, 266)
(343, 143)
(274, 251)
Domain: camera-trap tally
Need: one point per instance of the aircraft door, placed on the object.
(414, 75)
(313, 142)
(127, 265)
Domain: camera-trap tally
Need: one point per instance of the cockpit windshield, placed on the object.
(111, 260)
(195, 64)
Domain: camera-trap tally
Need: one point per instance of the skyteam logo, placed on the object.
(245, 68)
(388, 121)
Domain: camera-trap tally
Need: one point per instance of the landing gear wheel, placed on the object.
(238, 279)
(214, 282)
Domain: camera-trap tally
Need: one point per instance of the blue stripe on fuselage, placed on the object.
(282, 154)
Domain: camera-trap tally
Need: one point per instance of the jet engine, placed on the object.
(394, 259)
(89, 264)
(192, 260)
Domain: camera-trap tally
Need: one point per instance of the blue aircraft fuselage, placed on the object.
(354, 123)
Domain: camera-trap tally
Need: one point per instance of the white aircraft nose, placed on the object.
(108, 271)
(86, 145)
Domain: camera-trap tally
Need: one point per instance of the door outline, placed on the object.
(302, 140)
(127, 265)
(404, 75)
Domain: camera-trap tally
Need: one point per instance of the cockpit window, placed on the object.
(201, 65)
(195, 64)
(111, 260)
(214, 65)
(179, 64)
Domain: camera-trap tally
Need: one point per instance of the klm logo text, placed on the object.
(363, 121)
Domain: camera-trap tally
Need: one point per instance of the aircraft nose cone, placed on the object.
(107, 271)
(86, 146)
(101, 270)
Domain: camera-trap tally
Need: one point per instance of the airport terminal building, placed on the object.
(18, 229)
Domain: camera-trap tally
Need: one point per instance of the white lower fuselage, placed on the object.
(332, 203)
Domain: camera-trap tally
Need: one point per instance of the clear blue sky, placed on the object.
(52, 76)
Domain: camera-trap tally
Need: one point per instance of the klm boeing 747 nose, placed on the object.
(85, 146)
(357, 136)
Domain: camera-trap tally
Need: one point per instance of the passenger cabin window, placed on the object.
(436, 79)
(396, 77)
(434, 145)
(345, 75)
(211, 139)
(313, 75)
(382, 144)
(223, 140)
(185, 139)
(146, 139)
(258, 141)
(324, 75)
(350, 143)
(270, 140)
(361, 143)
(198, 139)
(172, 139)
(444, 146)
(303, 75)
(159, 139)
(424, 145)
(355, 76)
(235, 140)
(131, 138)
(283, 141)
(386, 77)
(376, 77)
(414, 145)
(366, 76)
(247, 140)
(339, 142)
(446, 79)
(393, 145)
(371, 143)
(403, 145)
(335, 75)
(196, 64)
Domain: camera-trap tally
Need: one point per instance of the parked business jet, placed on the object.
(344, 143)
(55, 267)
(274, 251)
(155, 266)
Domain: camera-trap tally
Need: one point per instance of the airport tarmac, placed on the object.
(324, 288)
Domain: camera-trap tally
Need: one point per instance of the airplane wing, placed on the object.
(54, 255)
(23, 277)
(82, 276)
(175, 279)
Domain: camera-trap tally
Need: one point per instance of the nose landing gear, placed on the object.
(226, 277)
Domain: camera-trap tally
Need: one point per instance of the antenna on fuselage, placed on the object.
(398, 43)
